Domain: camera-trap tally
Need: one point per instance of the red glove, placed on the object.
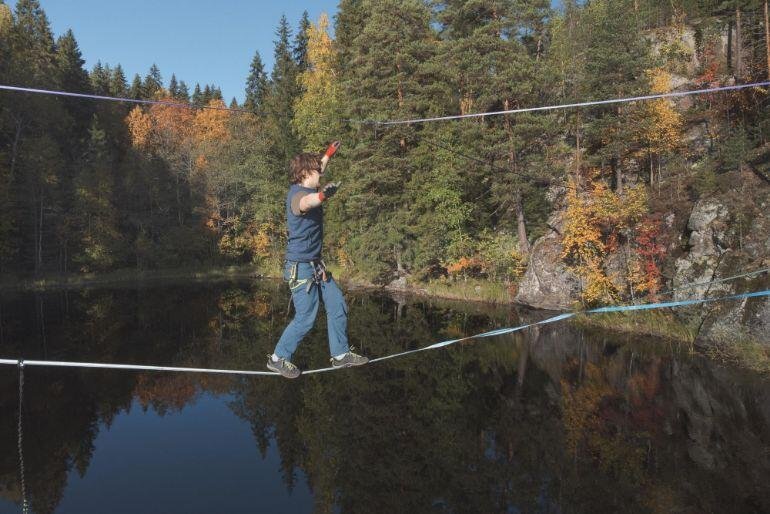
(332, 148)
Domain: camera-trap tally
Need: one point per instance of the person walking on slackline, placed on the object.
(305, 270)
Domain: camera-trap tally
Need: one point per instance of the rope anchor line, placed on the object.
(502, 331)
(386, 123)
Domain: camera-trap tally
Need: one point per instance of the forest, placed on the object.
(99, 186)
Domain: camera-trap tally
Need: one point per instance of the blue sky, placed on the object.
(198, 40)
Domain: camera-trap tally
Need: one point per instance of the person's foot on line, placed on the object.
(348, 360)
(283, 367)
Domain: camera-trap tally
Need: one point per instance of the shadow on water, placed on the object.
(549, 420)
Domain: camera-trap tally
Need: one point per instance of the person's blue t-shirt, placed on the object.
(306, 231)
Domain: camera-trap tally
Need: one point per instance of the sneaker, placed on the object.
(349, 360)
(283, 367)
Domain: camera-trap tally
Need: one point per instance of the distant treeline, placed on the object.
(96, 186)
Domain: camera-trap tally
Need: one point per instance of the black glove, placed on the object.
(330, 189)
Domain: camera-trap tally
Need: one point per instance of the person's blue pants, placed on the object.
(306, 307)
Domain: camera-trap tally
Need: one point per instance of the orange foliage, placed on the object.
(254, 240)
(211, 125)
(645, 273)
(162, 129)
(664, 121)
(171, 125)
(595, 220)
(465, 265)
(139, 126)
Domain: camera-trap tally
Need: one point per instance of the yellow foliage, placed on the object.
(162, 129)
(316, 110)
(594, 221)
(661, 126)
(581, 406)
(6, 20)
(256, 241)
(170, 125)
(139, 126)
(211, 125)
(343, 258)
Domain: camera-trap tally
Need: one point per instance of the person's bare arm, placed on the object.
(313, 200)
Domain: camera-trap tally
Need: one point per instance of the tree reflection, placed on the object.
(547, 420)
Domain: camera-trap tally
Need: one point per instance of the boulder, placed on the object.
(708, 242)
(711, 257)
(547, 283)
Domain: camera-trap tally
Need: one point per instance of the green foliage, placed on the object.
(256, 85)
(418, 199)
(153, 83)
(283, 92)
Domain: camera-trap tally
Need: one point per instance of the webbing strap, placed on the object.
(442, 344)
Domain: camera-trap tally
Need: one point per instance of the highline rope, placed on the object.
(385, 123)
(442, 344)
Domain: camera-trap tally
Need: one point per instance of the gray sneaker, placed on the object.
(283, 367)
(349, 360)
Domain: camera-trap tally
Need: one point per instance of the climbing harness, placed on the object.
(320, 274)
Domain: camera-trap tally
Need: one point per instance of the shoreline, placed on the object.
(655, 324)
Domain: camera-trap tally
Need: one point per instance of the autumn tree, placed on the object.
(597, 221)
(317, 111)
(659, 125)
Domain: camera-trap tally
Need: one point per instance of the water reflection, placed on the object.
(550, 420)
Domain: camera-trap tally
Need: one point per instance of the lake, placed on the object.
(553, 419)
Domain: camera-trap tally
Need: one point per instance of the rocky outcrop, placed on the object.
(708, 242)
(712, 256)
(547, 283)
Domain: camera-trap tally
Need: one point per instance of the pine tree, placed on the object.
(72, 77)
(38, 126)
(100, 79)
(388, 81)
(197, 96)
(616, 61)
(95, 216)
(70, 62)
(136, 92)
(300, 43)
(207, 95)
(184, 92)
(283, 92)
(8, 236)
(173, 87)
(33, 46)
(153, 83)
(256, 85)
(118, 84)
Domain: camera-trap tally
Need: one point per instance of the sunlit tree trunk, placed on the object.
(767, 39)
(39, 234)
(15, 146)
(521, 225)
(738, 44)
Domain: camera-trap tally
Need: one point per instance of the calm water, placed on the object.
(555, 420)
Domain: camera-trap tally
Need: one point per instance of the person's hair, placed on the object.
(302, 165)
